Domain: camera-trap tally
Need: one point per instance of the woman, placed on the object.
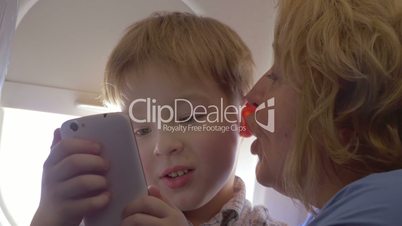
(337, 89)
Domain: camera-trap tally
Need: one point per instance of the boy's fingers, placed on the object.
(78, 164)
(147, 205)
(89, 205)
(155, 192)
(140, 219)
(68, 147)
(56, 137)
(82, 186)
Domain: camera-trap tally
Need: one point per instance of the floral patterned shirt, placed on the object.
(239, 212)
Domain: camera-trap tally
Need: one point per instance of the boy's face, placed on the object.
(190, 165)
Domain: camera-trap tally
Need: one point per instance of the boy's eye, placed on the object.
(271, 76)
(191, 118)
(142, 131)
(187, 119)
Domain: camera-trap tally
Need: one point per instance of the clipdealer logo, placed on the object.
(270, 126)
(166, 117)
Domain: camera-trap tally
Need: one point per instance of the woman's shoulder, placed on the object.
(382, 177)
(373, 200)
(385, 184)
(378, 178)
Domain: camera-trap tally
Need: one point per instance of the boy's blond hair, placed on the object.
(195, 46)
(345, 59)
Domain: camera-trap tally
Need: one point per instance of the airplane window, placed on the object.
(26, 137)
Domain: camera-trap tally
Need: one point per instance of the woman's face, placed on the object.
(273, 126)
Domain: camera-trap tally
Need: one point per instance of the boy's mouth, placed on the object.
(177, 177)
(176, 171)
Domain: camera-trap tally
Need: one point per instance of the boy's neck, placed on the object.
(209, 210)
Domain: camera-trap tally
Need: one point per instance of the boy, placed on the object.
(171, 73)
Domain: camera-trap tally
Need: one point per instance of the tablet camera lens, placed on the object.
(74, 126)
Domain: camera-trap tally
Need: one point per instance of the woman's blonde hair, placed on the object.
(345, 59)
(195, 46)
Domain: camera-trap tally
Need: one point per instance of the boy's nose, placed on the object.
(168, 144)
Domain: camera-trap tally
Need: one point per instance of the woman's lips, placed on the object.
(177, 176)
(254, 148)
(251, 124)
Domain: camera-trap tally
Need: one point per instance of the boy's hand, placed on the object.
(153, 210)
(73, 183)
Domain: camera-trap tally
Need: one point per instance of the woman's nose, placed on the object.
(256, 94)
